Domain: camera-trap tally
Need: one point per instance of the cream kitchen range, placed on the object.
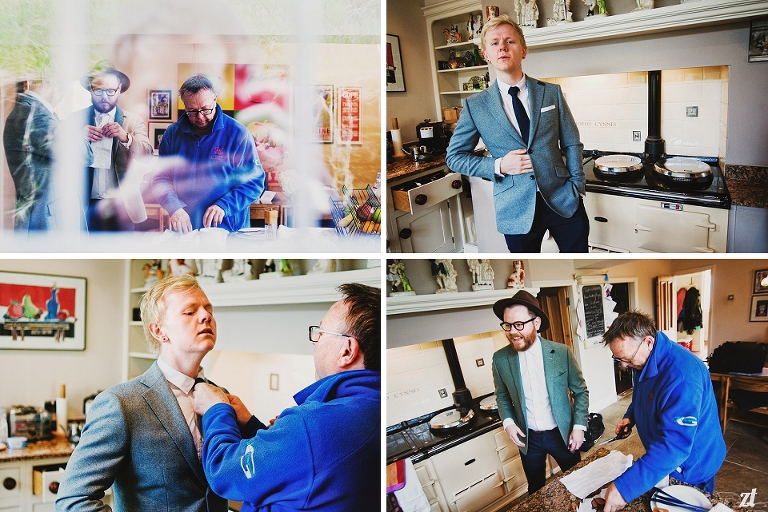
(662, 85)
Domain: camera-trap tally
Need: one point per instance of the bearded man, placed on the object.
(532, 378)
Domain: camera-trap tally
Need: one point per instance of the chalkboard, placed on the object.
(593, 310)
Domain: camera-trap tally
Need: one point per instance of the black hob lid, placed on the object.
(414, 438)
(646, 186)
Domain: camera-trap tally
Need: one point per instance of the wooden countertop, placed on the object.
(59, 446)
(554, 495)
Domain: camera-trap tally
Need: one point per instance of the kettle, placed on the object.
(88, 402)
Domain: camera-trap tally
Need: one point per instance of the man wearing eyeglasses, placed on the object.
(325, 453)
(117, 137)
(215, 174)
(533, 377)
(674, 409)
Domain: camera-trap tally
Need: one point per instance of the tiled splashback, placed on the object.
(609, 108)
(416, 373)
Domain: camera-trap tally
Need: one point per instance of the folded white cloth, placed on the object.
(411, 498)
(585, 481)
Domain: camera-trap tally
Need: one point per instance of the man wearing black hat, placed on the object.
(117, 137)
(532, 377)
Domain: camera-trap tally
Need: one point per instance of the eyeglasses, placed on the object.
(102, 92)
(315, 331)
(204, 111)
(519, 326)
(620, 360)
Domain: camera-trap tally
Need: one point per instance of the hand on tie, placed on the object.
(207, 395)
(516, 161)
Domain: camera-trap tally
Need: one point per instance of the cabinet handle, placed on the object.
(421, 199)
(406, 233)
(456, 184)
(54, 487)
(9, 483)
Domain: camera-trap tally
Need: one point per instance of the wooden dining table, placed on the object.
(555, 496)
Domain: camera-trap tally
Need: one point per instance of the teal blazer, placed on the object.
(561, 373)
(553, 145)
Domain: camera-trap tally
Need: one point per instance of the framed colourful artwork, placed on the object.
(42, 312)
(160, 104)
(156, 131)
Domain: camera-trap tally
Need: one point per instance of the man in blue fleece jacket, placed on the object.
(215, 173)
(325, 453)
(673, 406)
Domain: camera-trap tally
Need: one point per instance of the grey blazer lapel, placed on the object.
(163, 403)
(496, 108)
(535, 102)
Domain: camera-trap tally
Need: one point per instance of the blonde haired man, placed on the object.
(528, 128)
(142, 437)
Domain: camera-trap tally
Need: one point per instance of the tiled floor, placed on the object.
(746, 462)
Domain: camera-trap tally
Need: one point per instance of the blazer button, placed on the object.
(533, 177)
(530, 151)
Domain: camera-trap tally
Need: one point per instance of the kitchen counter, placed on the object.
(59, 446)
(554, 495)
(748, 185)
(404, 167)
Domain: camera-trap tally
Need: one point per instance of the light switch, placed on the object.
(442, 392)
(274, 381)
(479, 362)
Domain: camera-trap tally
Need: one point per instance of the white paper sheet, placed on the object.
(585, 481)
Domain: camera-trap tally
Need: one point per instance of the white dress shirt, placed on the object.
(182, 385)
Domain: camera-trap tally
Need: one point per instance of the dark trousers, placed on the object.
(535, 461)
(571, 234)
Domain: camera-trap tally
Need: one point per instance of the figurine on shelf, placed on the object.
(561, 13)
(482, 274)
(452, 35)
(527, 13)
(276, 268)
(240, 271)
(180, 267)
(602, 10)
(643, 5)
(491, 11)
(517, 277)
(397, 276)
(591, 4)
(208, 271)
(152, 272)
(471, 27)
(445, 275)
(323, 267)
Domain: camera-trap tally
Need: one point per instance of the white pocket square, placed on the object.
(546, 109)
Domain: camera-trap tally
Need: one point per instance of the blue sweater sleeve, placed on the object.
(274, 465)
(669, 444)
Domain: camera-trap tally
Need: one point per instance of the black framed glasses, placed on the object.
(519, 326)
(628, 362)
(315, 331)
(102, 92)
(203, 111)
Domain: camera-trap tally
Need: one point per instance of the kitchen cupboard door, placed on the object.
(505, 448)
(514, 478)
(431, 230)
(663, 230)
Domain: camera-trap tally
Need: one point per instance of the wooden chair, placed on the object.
(758, 384)
(721, 394)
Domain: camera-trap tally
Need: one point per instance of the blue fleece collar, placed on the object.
(341, 384)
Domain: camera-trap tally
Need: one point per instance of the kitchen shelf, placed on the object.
(457, 70)
(454, 46)
(142, 355)
(404, 304)
(454, 93)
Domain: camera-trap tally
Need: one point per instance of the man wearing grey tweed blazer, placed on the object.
(534, 379)
(137, 438)
(534, 188)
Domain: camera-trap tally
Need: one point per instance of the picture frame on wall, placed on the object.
(759, 310)
(42, 312)
(320, 102)
(350, 115)
(758, 40)
(156, 131)
(160, 104)
(758, 287)
(394, 65)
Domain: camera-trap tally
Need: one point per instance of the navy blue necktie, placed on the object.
(522, 118)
